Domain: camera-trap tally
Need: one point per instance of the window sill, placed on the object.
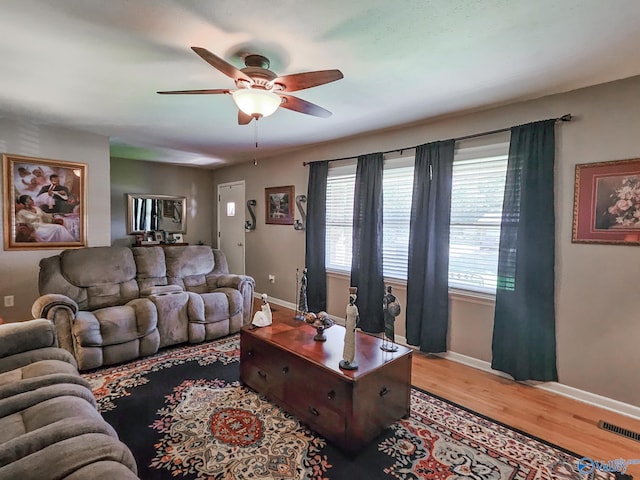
(454, 293)
(472, 297)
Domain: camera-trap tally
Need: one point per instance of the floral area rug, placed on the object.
(184, 414)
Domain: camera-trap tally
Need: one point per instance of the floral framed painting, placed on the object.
(45, 203)
(279, 205)
(607, 203)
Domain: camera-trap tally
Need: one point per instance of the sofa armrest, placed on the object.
(19, 360)
(229, 280)
(44, 305)
(21, 337)
(61, 311)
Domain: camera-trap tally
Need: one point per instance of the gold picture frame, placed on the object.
(607, 203)
(45, 203)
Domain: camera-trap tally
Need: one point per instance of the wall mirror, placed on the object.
(156, 212)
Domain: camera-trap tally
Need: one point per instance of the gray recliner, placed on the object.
(92, 297)
(49, 424)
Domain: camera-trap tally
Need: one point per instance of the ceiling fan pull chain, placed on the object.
(255, 133)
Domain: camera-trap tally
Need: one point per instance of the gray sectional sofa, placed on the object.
(49, 425)
(113, 304)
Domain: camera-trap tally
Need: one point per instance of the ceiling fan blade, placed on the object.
(243, 118)
(300, 81)
(222, 65)
(215, 91)
(298, 105)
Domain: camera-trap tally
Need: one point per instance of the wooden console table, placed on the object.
(350, 408)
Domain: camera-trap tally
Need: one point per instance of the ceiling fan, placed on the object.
(260, 91)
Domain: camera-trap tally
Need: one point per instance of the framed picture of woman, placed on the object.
(45, 203)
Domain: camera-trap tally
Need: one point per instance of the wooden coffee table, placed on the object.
(350, 408)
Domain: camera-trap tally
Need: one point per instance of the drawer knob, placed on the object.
(331, 395)
(314, 411)
(250, 353)
(384, 391)
(285, 370)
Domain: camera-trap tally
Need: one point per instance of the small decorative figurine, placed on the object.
(320, 322)
(303, 306)
(348, 361)
(391, 308)
(263, 317)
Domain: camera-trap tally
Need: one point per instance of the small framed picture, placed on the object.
(279, 205)
(177, 237)
(158, 236)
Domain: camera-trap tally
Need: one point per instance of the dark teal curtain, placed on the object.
(428, 272)
(315, 237)
(366, 260)
(524, 340)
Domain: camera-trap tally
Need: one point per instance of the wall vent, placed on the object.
(625, 432)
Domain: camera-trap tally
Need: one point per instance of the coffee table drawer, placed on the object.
(269, 383)
(317, 413)
(263, 367)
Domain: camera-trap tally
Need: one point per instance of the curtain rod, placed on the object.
(564, 118)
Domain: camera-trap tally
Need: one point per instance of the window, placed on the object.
(340, 188)
(476, 209)
(398, 173)
(476, 212)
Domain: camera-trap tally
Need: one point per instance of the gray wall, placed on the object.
(133, 176)
(597, 292)
(19, 269)
(597, 286)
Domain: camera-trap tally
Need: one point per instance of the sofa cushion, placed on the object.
(37, 375)
(188, 261)
(115, 325)
(150, 266)
(107, 273)
(70, 458)
(40, 425)
(86, 267)
(216, 307)
(20, 336)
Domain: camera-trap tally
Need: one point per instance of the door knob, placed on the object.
(240, 244)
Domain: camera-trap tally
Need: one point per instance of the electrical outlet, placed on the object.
(272, 278)
(8, 301)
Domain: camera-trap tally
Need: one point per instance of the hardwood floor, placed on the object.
(568, 423)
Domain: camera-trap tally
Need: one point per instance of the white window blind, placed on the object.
(340, 188)
(397, 183)
(397, 187)
(476, 211)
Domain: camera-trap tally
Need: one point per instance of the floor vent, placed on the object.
(625, 432)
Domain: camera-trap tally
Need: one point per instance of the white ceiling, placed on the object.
(95, 65)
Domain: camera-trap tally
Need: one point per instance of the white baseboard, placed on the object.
(555, 387)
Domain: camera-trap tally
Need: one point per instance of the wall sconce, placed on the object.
(301, 225)
(250, 224)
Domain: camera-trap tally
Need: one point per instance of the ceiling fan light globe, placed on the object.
(256, 103)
